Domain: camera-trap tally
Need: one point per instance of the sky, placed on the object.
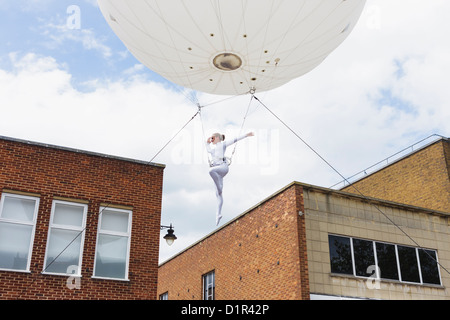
(66, 79)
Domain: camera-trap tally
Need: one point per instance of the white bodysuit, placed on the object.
(219, 169)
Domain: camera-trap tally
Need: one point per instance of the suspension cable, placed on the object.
(354, 187)
(112, 197)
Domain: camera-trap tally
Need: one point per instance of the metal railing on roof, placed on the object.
(387, 161)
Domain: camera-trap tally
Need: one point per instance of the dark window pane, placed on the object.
(408, 264)
(340, 255)
(387, 261)
(429, 266)
(364, 257)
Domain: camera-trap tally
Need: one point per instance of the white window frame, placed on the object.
(19, 222)
(207, 285)
(114, 233)
(164, 296)
(81, 229)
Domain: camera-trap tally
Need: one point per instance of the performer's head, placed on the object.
(217, 137)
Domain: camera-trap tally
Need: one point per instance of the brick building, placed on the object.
(260, 254)
(309, 242)
(422, 178)
(77, 224)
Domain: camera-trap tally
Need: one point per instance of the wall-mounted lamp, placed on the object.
(170, 237)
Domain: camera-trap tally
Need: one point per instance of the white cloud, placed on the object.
(59, 35)
(383, 89)
(92, 2)
(134, 69)
(40, 99)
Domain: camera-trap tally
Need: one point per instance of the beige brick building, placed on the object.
(422, 178)
(369, 238)
(259, 255)
(309, 242)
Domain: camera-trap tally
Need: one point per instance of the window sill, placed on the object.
(427, 285)
(61, 274)
(113, 279)
(13, 270)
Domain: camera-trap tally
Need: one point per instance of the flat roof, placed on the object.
(91, 153)
(395, 158)
(317, 189)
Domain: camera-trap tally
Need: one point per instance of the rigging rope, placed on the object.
(354, 187)
(242, 126)
(229, 159)
(203, 132)
(251, 92)
(137, 174)
(112, 197)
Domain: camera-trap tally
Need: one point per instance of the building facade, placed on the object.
(375, 249)
(422, 178)
(259, 255)
(77, 224)
(309, 242)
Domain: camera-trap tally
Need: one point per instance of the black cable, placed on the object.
(134, 177)
(356, 189)
(387, 159)
(112, 197)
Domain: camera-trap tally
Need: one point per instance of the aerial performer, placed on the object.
(231, 47)
(219, 164)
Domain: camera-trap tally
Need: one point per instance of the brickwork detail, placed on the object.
(54, 173)
(422, 179)
(256, 256)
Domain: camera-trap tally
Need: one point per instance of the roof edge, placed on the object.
(440, 139)
(309, 187)
(90, 153)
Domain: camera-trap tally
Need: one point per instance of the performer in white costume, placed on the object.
(219, 165)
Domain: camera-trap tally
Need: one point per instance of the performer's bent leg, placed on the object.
(217, 174)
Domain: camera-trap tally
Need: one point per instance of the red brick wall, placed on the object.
(302, 248)
(256, 256)
(52, 172)
(421, 179)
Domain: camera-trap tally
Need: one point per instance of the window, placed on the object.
(387, 261)
(65, 238)
(353, 256)
(340, 255)
(17, 225)
(429, 266)
(408, 264)
(113, 244)
(209, 286)
(164, 296)
(363, 256)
